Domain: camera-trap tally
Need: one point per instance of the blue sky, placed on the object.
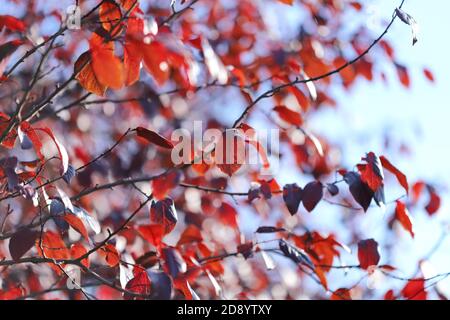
(418, 117)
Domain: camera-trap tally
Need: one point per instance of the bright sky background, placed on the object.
(418, 117)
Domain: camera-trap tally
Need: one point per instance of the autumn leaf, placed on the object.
(228, 215)
(22, 241)
(289, 2)
(292, 196)
(76, 224)
(110, 254)
(398, 174)
(163, 212)
(415, 290)
(360, 191)
(77, 250)
(402, 216)
(191, 234)
(288, 115)
(230, 152)
(371, 172)
(110, 16)
(86, 76)
(53, 246)
(12, 23)
(152, 233)
(162, 186)
(107, 68)
(139, 285)
(368, 253)
(341, 294)
(312, 194)
(154, 138)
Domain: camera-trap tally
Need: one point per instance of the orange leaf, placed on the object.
(107, 67)
(77, 224)
(86, 76)
(77, 250)
(110, 15)
(153, 233)
(110, 254)
(289, 2)
(154, 55)
(191, 234)
(53, 246)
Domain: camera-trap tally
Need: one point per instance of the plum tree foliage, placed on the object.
(90, 196)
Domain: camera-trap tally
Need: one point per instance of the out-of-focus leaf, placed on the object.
(292, 196)
(409, 20)
(398, 174)
(22, 241)
(12, 23)
(368, 253)
(402, 216)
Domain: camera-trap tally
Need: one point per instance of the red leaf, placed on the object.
(77, 224)
(368, 253)
(289, 115)
(110, 254)
(77, 250)
(289, 2)
(398, 174)
(154, 55)
(191, 234)
(415, 290)
(429, 75)
(228, 215)
(230, 152)
(22, 241)
(11, 23)
(54, 246)
(302, 100)
(140, 284)
(341, 294)
(402, 215)
(153, 233)
(163, 212)
(154, 138)
(312, 194)
(163, 185)
(371, 173)
(403, 75)
(292, 196)
(434, 203)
